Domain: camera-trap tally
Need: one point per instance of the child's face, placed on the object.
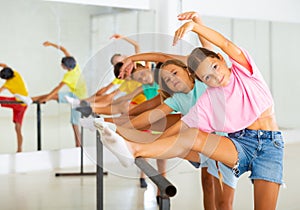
(143, 75)
(213, 72)
(176, 78)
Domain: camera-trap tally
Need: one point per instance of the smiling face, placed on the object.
(177, 78)
(213, 72)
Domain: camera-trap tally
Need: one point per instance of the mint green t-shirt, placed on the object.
(182, 102)
(150, 91)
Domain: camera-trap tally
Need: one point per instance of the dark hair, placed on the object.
(117, 68)
(112, 57)
(6, 73)
(165, 91)
(69, 62)
(196, 57)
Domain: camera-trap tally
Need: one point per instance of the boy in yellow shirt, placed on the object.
(75, 82)
(15, 85)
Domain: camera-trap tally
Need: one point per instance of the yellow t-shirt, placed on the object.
(75, 81)
(16, 85)
(129, 86)
(117, 81)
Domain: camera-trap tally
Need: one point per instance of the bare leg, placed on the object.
(223, 198)
(207, 181)
(216, 147)
(76, 135)
(265, 195)
(102, 100)
(120, 108)
(18, 128)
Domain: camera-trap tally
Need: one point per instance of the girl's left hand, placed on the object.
(188, 26)
(188, 16)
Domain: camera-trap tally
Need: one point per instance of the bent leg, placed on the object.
(265, 195)
(211, 145)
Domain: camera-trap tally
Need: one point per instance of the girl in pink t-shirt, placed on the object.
(237, 102)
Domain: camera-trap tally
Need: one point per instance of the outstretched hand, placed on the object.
(116, 36)
(188, 16)
(47, 43)
(126, 69)
(180, 32)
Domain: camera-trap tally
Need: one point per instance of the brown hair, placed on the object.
(197, 56)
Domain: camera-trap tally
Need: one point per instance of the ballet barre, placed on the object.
(38, 116)
(167, 189)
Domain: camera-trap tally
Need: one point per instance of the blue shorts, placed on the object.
(203, 162)
(260, 152)
(228, 177)
(75, 115)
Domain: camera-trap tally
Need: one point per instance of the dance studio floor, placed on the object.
(42, 190)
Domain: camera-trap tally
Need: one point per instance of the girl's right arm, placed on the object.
(149, 117)
(128, 63)
(194, 16)
(215, 38)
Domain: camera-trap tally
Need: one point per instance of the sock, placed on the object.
(73, 101)
(116, 144)
(100, 124)
(26, 99)
(88, 123)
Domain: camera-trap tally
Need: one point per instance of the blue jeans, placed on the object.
(260, 152)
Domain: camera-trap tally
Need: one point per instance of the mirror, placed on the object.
(82, 30)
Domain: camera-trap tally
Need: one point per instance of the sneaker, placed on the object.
(84, 110)
(26, 99)
(88, 123)
(75, 102)
(143, 183)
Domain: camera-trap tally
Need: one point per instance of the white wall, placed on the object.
(273, 10)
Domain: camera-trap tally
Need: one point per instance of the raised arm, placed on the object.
(128, 63)
(3, 65)
(215, 38)
(195, 17)
(130, 41)
(64, 50)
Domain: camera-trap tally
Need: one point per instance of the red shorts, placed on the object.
(18, 109)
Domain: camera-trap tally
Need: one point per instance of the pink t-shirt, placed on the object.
(234, 107)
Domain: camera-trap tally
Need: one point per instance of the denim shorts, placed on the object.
(203, 162)
(228, 177)
(260, 152)
(75, 115)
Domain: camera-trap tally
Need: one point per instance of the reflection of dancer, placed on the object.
(238, 102)
(74, 80)
(14, 84)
